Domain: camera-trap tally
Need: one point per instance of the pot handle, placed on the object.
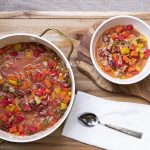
(63, 36)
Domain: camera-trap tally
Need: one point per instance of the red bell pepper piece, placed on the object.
(13, 53)
(40, 49)
(36, 53)
(54, 103)
(40, 75)
(1, 51)
(19, 119)
(40, 91)
(26, 107)
(8, 114)
(65, 85)
(120, 37)
(54, 73)
(129, 27)
(147, 53)
(4, 102)
(31, 129)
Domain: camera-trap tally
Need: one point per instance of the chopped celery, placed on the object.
(37, 100)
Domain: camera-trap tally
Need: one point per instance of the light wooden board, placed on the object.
(85, 65)
(67, 22)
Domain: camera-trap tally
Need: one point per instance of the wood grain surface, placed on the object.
(37, 22)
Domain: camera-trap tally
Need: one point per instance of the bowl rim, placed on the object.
(108, 77)
(44, 133)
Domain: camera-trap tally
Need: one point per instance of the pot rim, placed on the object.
(47, 131)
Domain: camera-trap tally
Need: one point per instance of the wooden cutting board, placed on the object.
(84, 64)
(68, 23)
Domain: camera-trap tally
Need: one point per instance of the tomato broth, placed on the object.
(35, 88)
(122, 51)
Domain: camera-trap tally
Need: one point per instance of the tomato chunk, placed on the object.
(51, 64)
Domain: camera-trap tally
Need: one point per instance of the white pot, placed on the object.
(141, 26)
(23, 37)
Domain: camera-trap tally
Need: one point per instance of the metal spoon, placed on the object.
(91, 120)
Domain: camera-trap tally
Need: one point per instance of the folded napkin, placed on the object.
(128, 115)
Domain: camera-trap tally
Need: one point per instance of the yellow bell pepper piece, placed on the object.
(12, 82)
(10, 107)
(28, 54)
(53, 95)
(60, 74)
(141, 55)
(57, 90)
(124, 50)
(63, 106)
(69, 93)
(139, 47)
(143, 38)
(17, 47)
(138, 67)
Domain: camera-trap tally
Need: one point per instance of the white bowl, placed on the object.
(141, 26)
(24, 37)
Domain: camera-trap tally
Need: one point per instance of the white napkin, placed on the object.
(128, 115)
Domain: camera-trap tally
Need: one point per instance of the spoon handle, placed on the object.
(124, 130)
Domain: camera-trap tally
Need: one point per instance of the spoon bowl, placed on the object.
(90, 120)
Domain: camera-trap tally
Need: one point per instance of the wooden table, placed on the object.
(67, 22)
